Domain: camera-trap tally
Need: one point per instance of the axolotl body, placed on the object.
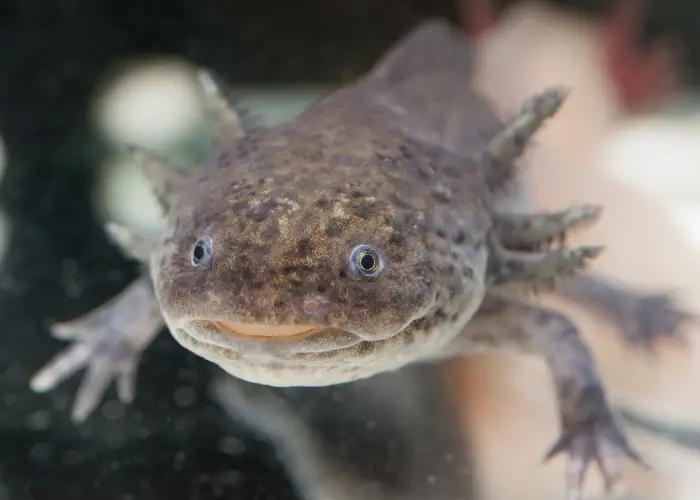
(379, 232)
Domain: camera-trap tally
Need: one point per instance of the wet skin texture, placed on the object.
(384, 227)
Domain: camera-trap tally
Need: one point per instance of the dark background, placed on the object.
(52, 54)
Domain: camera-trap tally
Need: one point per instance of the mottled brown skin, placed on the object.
(317, 188)
(410, 161)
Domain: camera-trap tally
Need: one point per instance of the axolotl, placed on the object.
(385, 227)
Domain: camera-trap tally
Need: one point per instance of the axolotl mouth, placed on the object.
(270, 331)
(269, 340)
(286, 355)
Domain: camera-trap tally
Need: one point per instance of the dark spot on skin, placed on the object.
(357, 194)
(224, 160)
(239, 206)
(440, 314)
(262, 211)
(441, 233)
(246, 146)
(405, 153)
(343, 273)
(565, 389)
(448, 268)
(304, 247)
(508, 226)
(271, 232)
(314, 156)
(246, 275)
(364, 210)
(467, 272)
(261, 251)
(333, 228)
(453, 172)
(321, 288)
(514, 267)
(460, 237)
(322, 203)
(397, 238)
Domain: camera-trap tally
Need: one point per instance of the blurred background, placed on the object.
(78, 78)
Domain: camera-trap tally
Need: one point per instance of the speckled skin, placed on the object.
(319, 187)
(410, 161)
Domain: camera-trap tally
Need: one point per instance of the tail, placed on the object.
(435, 46)
(426, 78)
(427, 75)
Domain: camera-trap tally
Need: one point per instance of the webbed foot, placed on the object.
(589, 432)
(651, 317)
(592, 436)
(108, 341)
(642, 318)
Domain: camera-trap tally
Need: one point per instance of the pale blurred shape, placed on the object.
(152, 103)
(275, 104)
(157, 105)
(124, 196)
(657, 156)
(687, 215)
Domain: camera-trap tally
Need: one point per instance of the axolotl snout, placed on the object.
(384, 226)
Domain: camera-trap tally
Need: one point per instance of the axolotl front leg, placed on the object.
(108, 341)
(589, 431)
(641, 317)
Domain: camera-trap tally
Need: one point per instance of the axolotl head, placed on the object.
(297, 259)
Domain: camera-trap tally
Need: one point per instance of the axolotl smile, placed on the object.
(313, 266)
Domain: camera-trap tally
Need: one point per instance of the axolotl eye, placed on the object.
(366, 261)
(201, 252)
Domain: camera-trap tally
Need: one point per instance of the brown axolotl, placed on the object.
(382, 230)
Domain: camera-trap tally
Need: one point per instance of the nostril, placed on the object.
(316, 306)
(213, 297)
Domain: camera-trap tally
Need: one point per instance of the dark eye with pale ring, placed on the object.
(201, 252)
(366, 261)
